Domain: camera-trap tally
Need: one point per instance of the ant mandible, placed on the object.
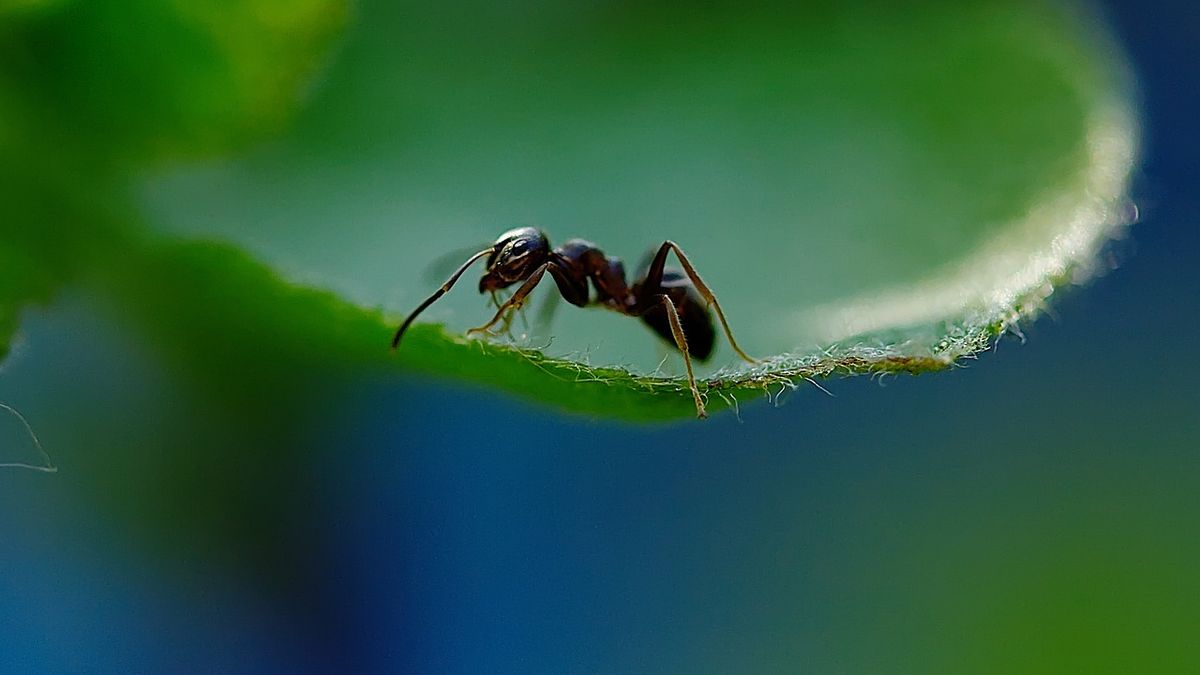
(676, 305)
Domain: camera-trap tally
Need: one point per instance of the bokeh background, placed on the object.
(1035, 511)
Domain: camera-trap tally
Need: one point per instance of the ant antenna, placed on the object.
(437, 294)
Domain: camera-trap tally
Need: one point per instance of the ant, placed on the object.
(675, 304)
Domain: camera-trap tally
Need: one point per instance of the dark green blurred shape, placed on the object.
(91, 94)
(144, 80)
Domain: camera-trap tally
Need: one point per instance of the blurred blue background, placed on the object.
(1034, 511)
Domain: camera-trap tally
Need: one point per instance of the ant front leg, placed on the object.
(506, 329)
(653, 282)
(681, 343)
(514, 302)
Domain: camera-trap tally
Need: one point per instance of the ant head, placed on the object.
(515, 256)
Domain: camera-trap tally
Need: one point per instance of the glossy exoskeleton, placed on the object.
(675, 303)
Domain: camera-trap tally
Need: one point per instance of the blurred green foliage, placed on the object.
(93, 93)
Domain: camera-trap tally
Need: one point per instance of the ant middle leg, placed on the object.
(654, 275)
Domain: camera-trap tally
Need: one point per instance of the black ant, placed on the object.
(674, 304)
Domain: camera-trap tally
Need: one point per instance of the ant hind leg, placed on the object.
(681, 343)
(654, 275)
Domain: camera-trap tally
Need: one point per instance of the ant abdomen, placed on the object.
(694, 316)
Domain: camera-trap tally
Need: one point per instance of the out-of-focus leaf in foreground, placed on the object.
(93, 93)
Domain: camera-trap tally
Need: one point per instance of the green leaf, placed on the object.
(867, 189)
